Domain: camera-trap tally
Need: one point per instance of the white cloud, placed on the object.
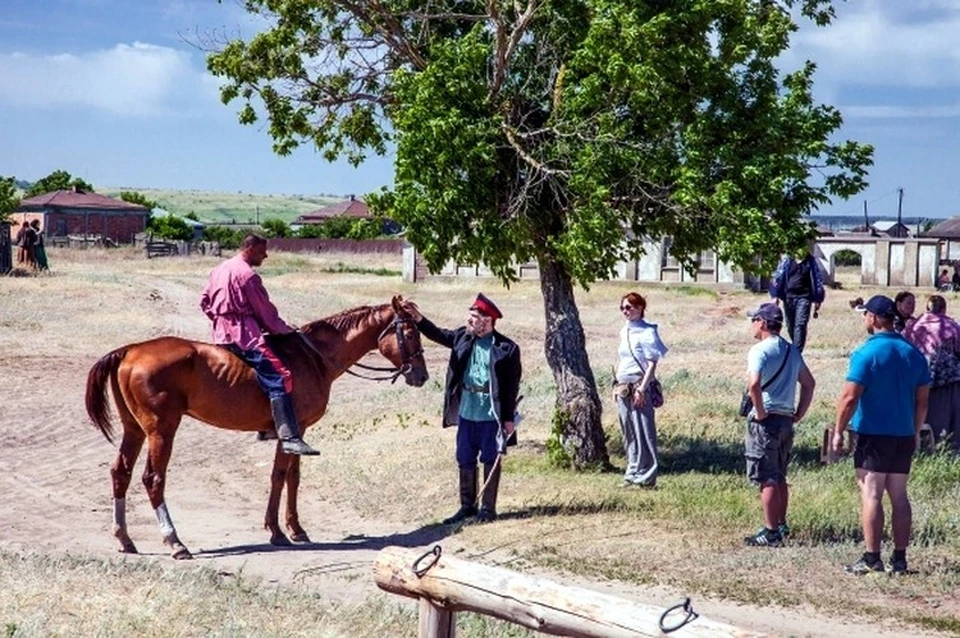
(130, 79)
(886, 43)
(901, 112)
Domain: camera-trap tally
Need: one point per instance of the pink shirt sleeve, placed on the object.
(263, 309)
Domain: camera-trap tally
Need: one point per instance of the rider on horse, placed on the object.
(241, 311)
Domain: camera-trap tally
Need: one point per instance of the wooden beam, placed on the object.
(535, 603)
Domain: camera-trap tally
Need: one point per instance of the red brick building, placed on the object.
(76, 212)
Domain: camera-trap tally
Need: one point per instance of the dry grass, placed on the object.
(386, 458)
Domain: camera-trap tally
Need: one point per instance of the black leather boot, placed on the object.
(468, 496)
(488, 500)
(288, 430)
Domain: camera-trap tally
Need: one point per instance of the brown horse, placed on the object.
(155, 383)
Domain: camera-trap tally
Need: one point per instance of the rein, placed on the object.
(393, 373)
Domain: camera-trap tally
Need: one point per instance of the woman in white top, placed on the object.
(640, 350)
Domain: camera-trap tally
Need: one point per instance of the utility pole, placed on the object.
(866, 220)
(900, 205)
(258, 214)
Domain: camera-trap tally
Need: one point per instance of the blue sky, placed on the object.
(110, 90)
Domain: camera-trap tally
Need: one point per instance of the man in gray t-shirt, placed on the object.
(774, 367)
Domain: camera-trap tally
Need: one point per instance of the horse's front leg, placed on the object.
(278, 476)
(154, 479)
(297, 534)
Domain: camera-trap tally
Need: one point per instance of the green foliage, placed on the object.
(557, 454)
(846, 257)
(192, 215)
(227, 237)
(133, 197)
(273, 228)
(58, 180)
(170, 227)
(8, 197)
(583, 119)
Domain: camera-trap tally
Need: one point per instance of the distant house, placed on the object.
(948, 232)
(890, 229)
(352, 208)
(77, 212)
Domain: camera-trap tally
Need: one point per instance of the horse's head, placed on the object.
(400, 344)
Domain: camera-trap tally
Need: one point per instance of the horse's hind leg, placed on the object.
(160, 446)
(297, 534)
(121, 473)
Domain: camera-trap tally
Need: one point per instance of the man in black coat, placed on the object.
(480, 398)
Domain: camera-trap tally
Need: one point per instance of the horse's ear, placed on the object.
(397, 303)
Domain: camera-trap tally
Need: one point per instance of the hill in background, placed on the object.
(225, 208)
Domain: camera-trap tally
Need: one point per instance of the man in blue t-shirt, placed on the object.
(884, 400)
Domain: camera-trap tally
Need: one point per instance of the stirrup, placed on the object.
(297, 446)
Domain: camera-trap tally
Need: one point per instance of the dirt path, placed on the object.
(54, 471)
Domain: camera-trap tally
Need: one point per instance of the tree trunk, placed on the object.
(578, 408)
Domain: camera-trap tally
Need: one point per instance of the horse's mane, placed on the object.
(343, 321)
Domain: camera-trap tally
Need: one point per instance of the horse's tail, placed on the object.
(98, 409)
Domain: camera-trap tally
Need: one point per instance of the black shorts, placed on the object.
(884, 454)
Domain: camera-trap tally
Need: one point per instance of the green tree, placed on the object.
(228, 238)
(276, 227)
(58, 180)
(9, 200)
(564, 132)
(170, 227)
(135, 197)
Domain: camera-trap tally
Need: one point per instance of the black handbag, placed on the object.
(746, 403)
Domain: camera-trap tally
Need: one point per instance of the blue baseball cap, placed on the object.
(769, 312)
(883, 307)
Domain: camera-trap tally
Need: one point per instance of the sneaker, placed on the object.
(862, 566)
(764, 538)
(897, 566)
(784, 530)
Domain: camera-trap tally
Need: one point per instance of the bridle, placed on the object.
(393, 373)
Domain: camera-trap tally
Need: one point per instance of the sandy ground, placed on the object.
(54, 469)
(54, 473)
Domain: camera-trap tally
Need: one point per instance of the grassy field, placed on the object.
(385, 458)
(242, 208)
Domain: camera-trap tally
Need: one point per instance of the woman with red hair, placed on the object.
(640, 350)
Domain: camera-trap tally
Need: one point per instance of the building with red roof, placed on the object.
(352, 208)
(77, 212)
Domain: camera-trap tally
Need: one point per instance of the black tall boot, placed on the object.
(468, 495)
(288, 430)
(488, 500)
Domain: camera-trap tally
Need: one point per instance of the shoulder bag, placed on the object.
(654, 388)
(746, 403)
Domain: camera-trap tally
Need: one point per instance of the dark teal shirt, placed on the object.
(475, 403)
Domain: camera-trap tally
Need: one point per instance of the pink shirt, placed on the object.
(238, 304)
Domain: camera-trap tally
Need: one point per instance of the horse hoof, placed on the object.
(182, 554)
(280, 541)
(127, 547)
(300, 538)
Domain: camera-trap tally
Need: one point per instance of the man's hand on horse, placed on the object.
(412, 308)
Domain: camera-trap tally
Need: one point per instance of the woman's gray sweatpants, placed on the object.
(639, 440)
